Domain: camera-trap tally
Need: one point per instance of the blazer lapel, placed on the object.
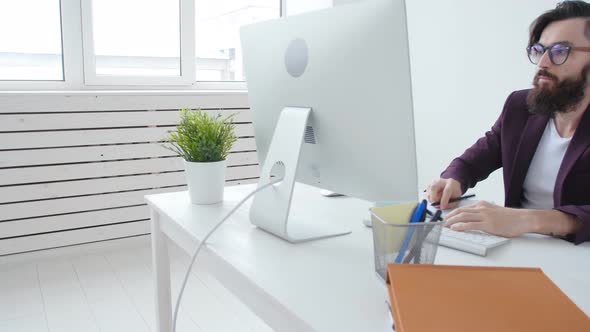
(577, 146)
(529, 140)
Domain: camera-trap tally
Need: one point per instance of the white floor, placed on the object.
(107, 286)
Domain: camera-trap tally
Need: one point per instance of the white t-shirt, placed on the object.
(540, 179)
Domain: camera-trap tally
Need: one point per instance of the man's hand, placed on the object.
(442, 190)
(510, 222)
(490, 218)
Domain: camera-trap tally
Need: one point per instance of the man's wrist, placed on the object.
(550, 222)
(531, 221)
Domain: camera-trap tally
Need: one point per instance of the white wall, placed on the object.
(466, 57)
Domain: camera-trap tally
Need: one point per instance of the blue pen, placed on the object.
(416, 215)
(416, 251)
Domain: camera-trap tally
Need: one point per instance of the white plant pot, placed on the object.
(205, 181)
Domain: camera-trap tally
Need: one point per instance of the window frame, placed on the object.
(71, 59)
(79, 61)
(187, 51)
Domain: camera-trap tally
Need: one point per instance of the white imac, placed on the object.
(331, 97)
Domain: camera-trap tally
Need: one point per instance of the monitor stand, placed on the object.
(270, 208)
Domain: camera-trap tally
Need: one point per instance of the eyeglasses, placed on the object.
(558, 53)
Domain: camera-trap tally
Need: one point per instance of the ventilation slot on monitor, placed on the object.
(309, 135)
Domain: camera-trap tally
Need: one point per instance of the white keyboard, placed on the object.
(473, 242)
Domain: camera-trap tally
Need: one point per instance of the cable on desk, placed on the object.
(204, 241)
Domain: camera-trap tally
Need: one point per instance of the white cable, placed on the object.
(204, 241)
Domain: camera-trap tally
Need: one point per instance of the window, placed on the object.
(217, 35)
(115, 44)
(132, 42)
(136, 37)
(30, 40)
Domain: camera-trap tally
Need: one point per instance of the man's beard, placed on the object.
(561, 98)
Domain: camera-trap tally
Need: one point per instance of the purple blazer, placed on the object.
(511, 144)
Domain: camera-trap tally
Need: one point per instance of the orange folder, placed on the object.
(443, 298)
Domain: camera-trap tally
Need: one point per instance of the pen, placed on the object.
(423, 214)
(423, 231)
(416, 216)
(436, 215)
(456, 199)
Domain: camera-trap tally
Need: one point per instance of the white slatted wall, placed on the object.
(78, 173)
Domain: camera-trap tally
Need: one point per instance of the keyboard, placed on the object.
(478, 243)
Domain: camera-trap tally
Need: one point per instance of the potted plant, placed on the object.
(204, 141)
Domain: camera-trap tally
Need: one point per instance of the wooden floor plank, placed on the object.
(110, 290)
(20, 295)
(66, 306)
(110, 304)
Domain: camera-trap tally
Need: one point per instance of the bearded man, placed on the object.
(541, 140)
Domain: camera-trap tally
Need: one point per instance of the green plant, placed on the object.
(200, 137)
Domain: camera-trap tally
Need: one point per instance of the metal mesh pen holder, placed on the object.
(414, 243)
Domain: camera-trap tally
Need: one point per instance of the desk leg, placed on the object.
(161, 268)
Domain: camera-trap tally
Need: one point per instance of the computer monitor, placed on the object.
(331, 97)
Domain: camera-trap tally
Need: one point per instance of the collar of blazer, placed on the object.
(579, 143)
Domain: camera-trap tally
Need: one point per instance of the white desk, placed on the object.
(325, 285)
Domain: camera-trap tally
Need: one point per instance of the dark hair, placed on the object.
(563, 11)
